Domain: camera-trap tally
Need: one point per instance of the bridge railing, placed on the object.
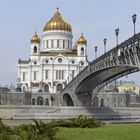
(123, 45)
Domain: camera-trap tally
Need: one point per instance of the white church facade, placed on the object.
(54, 61)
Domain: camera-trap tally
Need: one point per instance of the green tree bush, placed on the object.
(81, 121)
(37, 131)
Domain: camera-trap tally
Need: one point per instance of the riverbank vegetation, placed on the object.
(81, 128)
(40, 130)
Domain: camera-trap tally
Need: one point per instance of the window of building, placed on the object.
(47, 44)
(62, 75)
(47, 101)
(46, 61)
(63, 43)
(68, 43)
(24, 78)
(52, 45)
(102, 103)
(58, 44)
(35, 63)
(72, 61)
(33, 101)
(56, 74)
(35, 49)
(40, 101)
(46, 88)
(35, 75)
(59, 74)
(59, 87)
(46, 74)
(72, 74)
(82, 51)
(60, 60)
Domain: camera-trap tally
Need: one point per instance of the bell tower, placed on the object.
(82, 46)
(35, 45)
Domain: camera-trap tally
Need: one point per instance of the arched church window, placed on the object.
(59, 87)
(47, 101)
(40, 101)
(82, 51)
(46, 88)
(33, 101)
(35, 49)
(102, 103)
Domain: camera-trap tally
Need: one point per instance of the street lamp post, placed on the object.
(105, 40)
(117, 34)
(96, 51)
(134, 17)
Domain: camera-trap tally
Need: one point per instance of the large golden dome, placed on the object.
(35, 38)
(57, 22)
(82, 40)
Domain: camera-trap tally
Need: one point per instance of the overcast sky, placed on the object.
(97, 19)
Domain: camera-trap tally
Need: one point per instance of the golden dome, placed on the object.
(82, 40)
(57, 22)
(35, 38)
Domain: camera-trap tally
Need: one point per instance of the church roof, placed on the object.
(82, 40)
(35, 38)
(57, 22)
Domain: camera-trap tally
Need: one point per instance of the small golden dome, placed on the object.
(82, 40)
(35, 38)
(57, 22)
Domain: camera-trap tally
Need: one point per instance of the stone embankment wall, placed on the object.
(48, 113)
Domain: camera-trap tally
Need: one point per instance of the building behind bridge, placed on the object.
(53, 62)
(108, 97)
(118, 94)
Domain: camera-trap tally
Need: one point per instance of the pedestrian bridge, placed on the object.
(122, 60)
